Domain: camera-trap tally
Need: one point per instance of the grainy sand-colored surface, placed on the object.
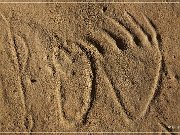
(89, 67)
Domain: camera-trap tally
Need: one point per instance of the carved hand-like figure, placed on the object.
(14, 55)
(76, 82)
(49, 70)
(131, 59)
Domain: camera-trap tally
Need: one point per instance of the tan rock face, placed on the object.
(89, 67)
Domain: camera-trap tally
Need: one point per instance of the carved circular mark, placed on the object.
(73, 72)
(177, 77)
